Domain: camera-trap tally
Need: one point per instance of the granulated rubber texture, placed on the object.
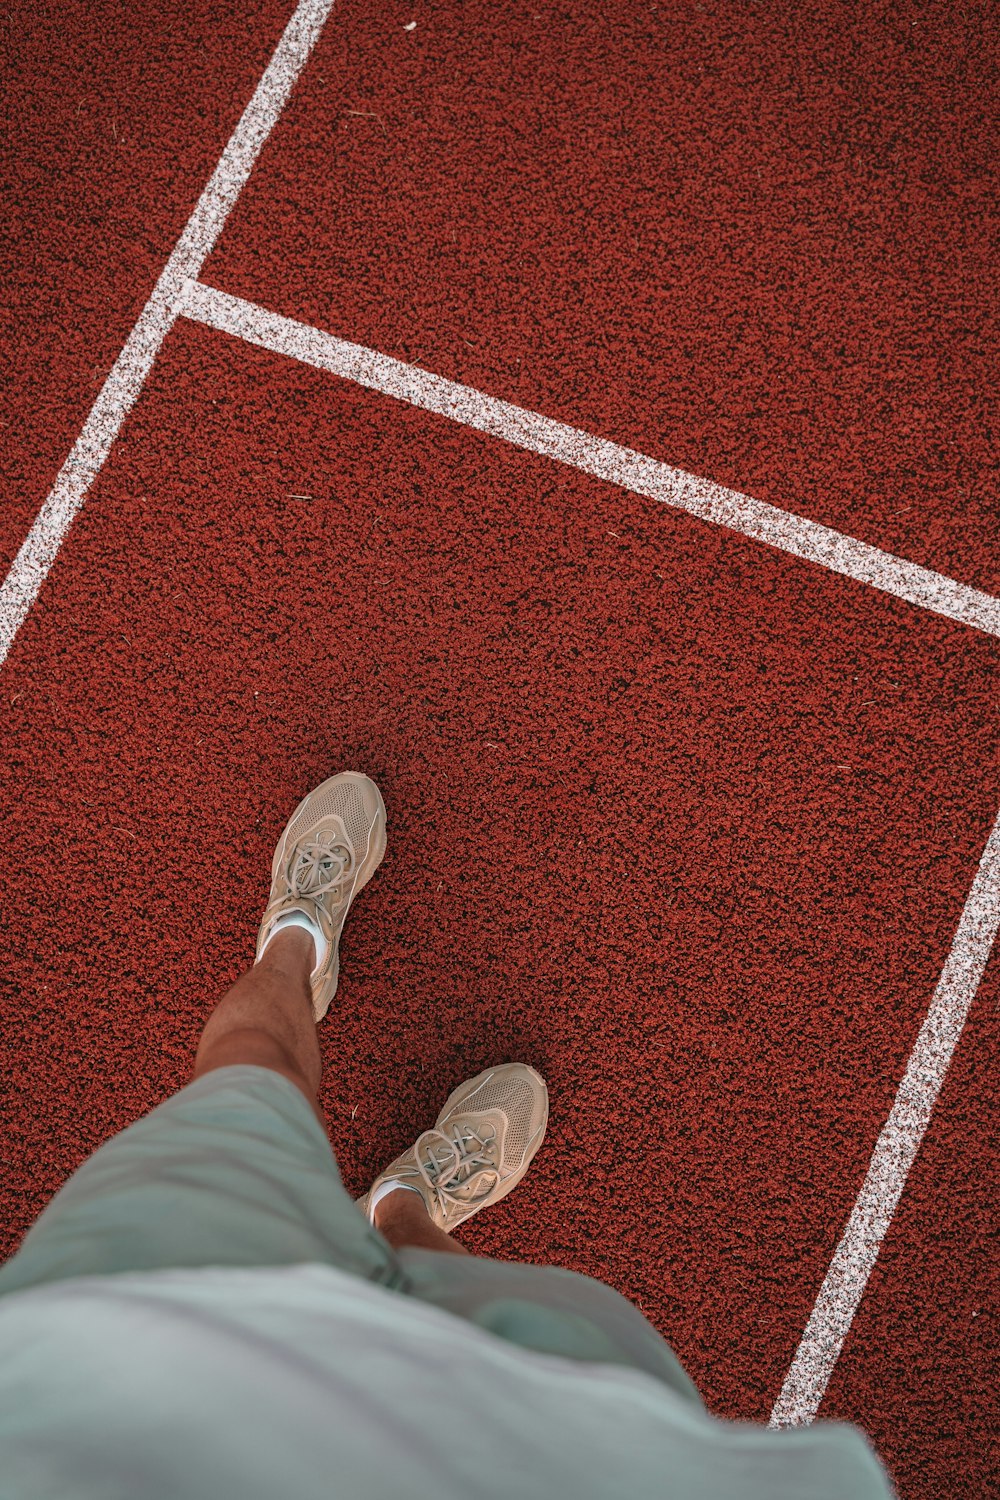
(753, 241)
(115, 117)
(681, 821)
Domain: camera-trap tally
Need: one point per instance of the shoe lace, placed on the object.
(463, 1159)
(318, 867)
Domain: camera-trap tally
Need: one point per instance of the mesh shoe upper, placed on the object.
(331, 847)
(480, 1146)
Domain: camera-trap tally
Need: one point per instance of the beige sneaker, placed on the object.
(479, 1149)
(331, 847)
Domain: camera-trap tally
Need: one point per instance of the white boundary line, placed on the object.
(895, 1149)
(606, 460)
(119, 392)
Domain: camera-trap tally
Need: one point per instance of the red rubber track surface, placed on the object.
(752, 241)
(920, 1360)
(684, 822)
(114, 117)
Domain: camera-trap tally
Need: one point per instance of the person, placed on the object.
(202, 1310)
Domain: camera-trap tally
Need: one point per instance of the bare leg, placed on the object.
(267, 1018)
(403, 1220)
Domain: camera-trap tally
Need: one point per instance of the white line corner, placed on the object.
(128, 375)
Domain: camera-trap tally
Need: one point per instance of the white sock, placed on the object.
(384, 1189)
(299, 919)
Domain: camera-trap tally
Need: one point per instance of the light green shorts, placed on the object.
(235, 1170)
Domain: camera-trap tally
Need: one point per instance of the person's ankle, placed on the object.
(290, 947)
(292, 921)
(398, 1202)
(406, 1224)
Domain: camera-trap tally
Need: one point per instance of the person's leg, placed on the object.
(267, 1019)
(402, 1219)
(330, 848)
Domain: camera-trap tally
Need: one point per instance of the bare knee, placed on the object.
(256, 1047)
